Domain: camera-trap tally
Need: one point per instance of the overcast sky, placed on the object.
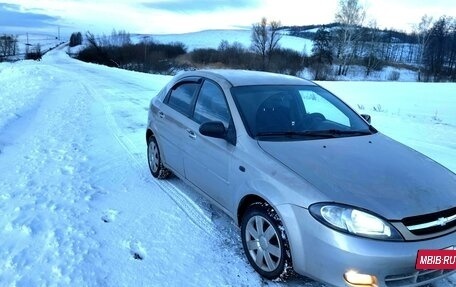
(179, 16)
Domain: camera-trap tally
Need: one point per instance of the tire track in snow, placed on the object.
(187, 205)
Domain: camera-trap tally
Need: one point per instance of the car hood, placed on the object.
(372, 172)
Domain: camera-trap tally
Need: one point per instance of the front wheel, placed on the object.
(265, 242)
(155, 163)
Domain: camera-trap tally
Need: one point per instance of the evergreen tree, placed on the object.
(75, 39)
(322, 55)
(321, 48)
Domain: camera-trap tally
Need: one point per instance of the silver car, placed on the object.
(314, 187)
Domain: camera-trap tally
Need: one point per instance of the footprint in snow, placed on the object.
(110, 215)
(67, 170)
(137, 250)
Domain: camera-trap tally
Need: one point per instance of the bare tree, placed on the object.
(120, 38)
(91, 39)
(371, 59)
(8, 45)
(265, 40)
(452, 50)
(350, 16)
(438, 50)
(422, 31)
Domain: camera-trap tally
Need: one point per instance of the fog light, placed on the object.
(355, 279)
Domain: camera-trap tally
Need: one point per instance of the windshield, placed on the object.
(296, 112)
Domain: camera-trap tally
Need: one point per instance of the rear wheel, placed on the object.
(265, 242)
(155, 163)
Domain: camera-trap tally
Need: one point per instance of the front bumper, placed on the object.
(326, 255)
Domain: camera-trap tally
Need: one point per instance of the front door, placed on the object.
(207, 161)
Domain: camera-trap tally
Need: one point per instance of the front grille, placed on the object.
(432, 222)
(417, 278)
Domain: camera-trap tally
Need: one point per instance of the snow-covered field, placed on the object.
(212, 39)
(79, 207)
(31, 41)
(46, 41)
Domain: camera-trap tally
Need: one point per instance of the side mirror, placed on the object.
(367, 118)
(213, 130)
(217, 130)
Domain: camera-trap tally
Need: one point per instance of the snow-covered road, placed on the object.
(78, 205)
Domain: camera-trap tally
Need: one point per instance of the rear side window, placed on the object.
(181, 97)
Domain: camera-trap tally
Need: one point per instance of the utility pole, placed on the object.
(27, 45)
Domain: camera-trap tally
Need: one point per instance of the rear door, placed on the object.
(174, 116)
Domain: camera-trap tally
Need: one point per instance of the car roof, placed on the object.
(248, 78)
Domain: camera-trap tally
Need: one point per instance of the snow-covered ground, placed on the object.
(421, 115)
(79, 207)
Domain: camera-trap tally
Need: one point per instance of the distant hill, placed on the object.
(308, 32)
(212, 39)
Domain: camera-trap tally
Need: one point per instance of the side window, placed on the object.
(314, 103)
(211, 105)
(181, 97)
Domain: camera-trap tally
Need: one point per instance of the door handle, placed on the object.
(191, 134)
(161, 114)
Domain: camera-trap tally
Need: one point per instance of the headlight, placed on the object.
(354, 221)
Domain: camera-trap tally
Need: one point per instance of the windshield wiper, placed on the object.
(349, 132)
(320, 134)
(332, 133)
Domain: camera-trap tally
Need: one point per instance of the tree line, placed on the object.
(265, 53)
(430, 48)
(118, 50)
(439, 50)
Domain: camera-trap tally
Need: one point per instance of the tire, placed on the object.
(265, 242)
(154, 159)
